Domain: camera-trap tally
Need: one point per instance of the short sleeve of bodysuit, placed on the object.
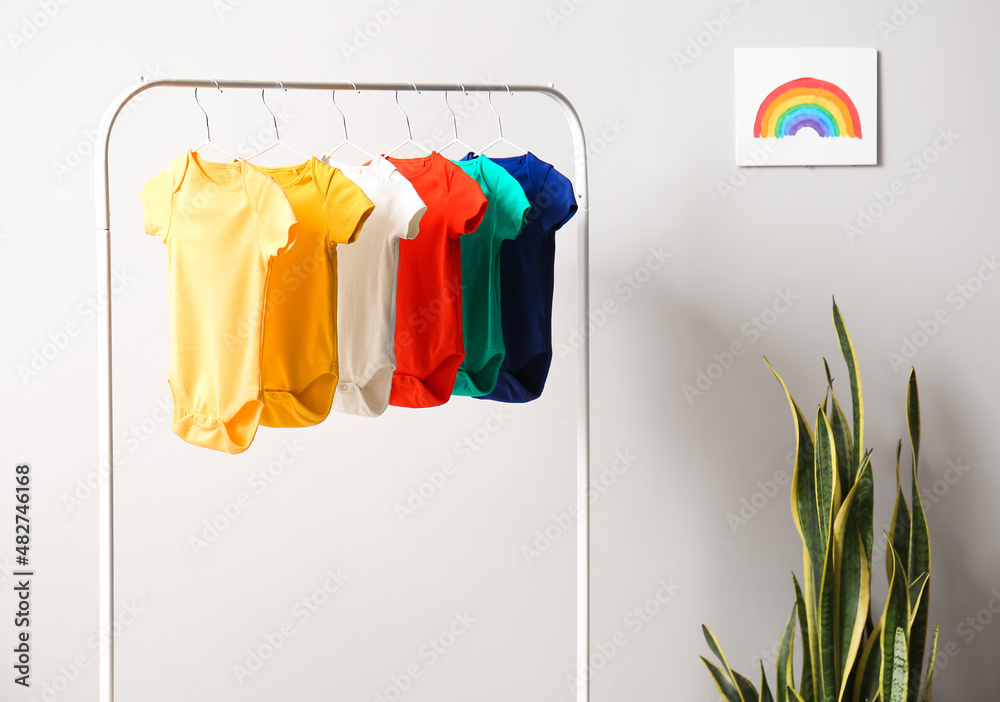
(469, 208)
(157, 199)
(347, 209)
(404, 207)
(556, 202)
(276, 223)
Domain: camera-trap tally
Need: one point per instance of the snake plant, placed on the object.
(846, 656)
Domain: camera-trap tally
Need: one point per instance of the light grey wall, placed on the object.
(659, 131)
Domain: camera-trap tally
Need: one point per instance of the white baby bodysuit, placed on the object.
(366, 299)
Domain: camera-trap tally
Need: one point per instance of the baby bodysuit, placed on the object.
(299, 356)
(366, 279)
(527, 271)
(428, 341)
(223, 223)
(481, 326)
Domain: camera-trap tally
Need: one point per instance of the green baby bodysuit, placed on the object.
(481, 330)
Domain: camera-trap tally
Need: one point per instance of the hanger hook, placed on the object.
(414, 86)
(508, 89)
(342, 117)
(208, 128)
(274, 120)
(354, 85)
(409, 133)
(489, 99)
(454, 119)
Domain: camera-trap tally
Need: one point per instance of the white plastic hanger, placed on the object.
(347, 139)
(274, 121)
(500, 139)
(409, 133)
(208, 129)
(454, 120)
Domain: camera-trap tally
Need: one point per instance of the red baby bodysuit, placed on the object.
(428, 341)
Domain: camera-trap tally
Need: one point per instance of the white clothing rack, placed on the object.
(105, 378)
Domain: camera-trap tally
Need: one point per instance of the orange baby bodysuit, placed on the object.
(299, 358)
(222, 224)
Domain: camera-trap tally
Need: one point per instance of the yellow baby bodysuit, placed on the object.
(299, 358)
(222, 224)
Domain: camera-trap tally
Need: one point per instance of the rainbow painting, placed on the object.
(807, 103)
(812, 106)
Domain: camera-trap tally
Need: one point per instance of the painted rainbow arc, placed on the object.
(807, 103)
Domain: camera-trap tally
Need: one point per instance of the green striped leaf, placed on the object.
(857, 399)
(869, 668)
(806, 683)
(793, 694)
(765, 690)
(919, 552)
(727, 690)
(747, 689)
(900, 668)
(929, 683)
(841, 439)
(821, 555)
(899, 525)
(785, 656)
(895, 616)
(713, 644)
(852, 594)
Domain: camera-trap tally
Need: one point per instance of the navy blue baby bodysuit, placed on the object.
(527, 272)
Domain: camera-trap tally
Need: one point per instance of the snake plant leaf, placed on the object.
(857, 399)
(803, 453)
(825, 616)
(765, 690)
(895, 616)
(852, 594)
(919, 551)
(899, 525)
(869, 668)
(841, 436)
(713, 644)
(821, 556)
(900, 668)
(929, 683)
(793, 694)
(785, 655)
(747, 689)
(864, 507)
(920, 593)
(806, 684)
(727, 690)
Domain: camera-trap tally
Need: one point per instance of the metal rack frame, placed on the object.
(105, 377)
